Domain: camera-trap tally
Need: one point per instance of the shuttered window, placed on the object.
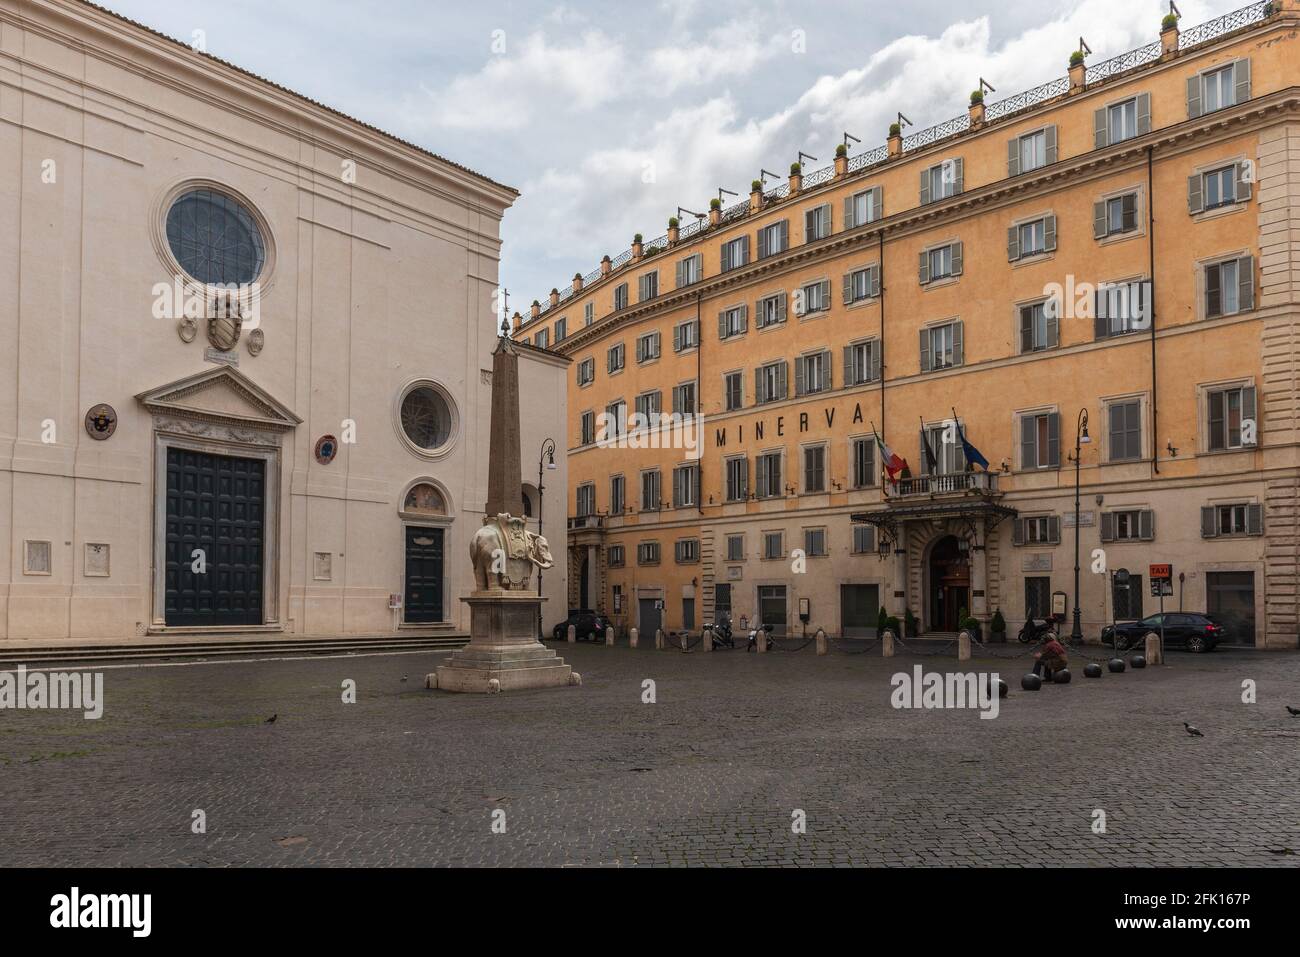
(650, 489)
(1232, 419)
(862, 362)
(812, 373)
(770, 382)
(1125, 433)
(587, 371)
(1230, 286)
(814, 468)
(1236, 519)
(1040, 440)
(615, 358)
(737, 471)
(770, 310)
(617, 495)
(767, 475)
(733, 385)
(864, 462)
(1130, 525)
(1039, 327)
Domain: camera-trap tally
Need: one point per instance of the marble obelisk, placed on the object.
(503, 653)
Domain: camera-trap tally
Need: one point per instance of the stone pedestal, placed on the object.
(503, 647)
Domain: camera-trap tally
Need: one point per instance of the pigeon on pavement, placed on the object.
(1192, 731)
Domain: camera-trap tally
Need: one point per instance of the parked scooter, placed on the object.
(1037, 629)
(722, 635)
(753, 636)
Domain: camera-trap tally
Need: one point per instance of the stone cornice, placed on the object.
(134, 48)
(1001, 193)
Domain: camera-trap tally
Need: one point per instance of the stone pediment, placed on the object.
(222, 394)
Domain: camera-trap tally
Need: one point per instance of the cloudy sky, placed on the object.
(607, 116)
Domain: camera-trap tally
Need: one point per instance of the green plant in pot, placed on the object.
(913, 626)
(998, 626)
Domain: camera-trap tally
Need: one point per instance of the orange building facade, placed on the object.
(1118, 244)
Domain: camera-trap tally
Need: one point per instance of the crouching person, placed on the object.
(1051, 658)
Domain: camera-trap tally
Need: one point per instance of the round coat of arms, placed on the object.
(256, 339)
(101, 421)
(326, 448)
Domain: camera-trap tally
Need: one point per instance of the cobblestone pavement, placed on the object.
(710, 774)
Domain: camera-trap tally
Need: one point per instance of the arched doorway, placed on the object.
(949, 584)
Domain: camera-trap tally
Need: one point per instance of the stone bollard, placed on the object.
(659, 639)
(686, 642)
(609, 636)
(887, 643)
(963, 646)
(573, 634)
(631, 637)
(706, 641)
(762, 641)
(1154, 656)
(821, 641)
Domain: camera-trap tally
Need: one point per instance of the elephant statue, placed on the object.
(504, 552)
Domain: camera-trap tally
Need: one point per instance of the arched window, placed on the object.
(424, 499)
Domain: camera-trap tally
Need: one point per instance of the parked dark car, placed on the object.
(589, 625)
(1190, 630)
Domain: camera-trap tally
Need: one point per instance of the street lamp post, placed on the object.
(545, 459)
(1080, 440)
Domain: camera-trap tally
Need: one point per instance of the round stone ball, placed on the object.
(1031, 682)
(1137, 661)
(1116, 665)
(1061, 677)
(1092, 670)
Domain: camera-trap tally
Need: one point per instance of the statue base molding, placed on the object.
(503, 653)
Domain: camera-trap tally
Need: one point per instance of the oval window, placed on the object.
(214, 238)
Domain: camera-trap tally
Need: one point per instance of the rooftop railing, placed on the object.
(1115, 66)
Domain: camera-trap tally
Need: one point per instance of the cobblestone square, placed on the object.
(710, 774)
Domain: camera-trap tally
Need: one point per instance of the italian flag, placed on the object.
(892, 462)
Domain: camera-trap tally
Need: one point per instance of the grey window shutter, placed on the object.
(1049, 234)
(1029, 442)
(1193, 96)
(1013, 243)
(1195, 193)
(1018, 532)
(1128, 206)
(848, 213)
(875, 362)
(1054, 439)
(826, 219)
(759, 394)
(726, 256)
(1054, 529)
(762, 243)
(800, 376)
(1099, 220)
(1255, 519)
(810, 225)
(1100, 137)
(1209, 527)
(925, 350)
(722, 323)
(1053, 326)
(1241, 77)
(1101, 314)
(925, 267)
(925, 186)
(1108, 526)
(1243, 187)
(850, 377)
(681, 273)
(1144, 113)
(828, 375)
(873, 280)
(1146, 524)
(1249, 411)
(848, 288)
(878, 203)
(781, 304)
(783, 388)
(1026, 329)
(744, 251)
(957, 258)
(957, 350)
(785, 235)
(1246, 283)
(1049, 137)
(640, 350)
(826, 293)
(677, 338)
(1013, 156)
(959, 175)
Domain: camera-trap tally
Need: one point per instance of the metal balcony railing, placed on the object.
(953, 483)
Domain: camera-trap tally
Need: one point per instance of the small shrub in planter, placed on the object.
(998, 626)
(796, 169)
(1076, 58)
(636, 238)
(1169, 22)
(672, 222)
(841, 150)
(972, 625)
(756, 186)
(976, 97)
(882, 620)
(913, 627)
(895, 129)
(715, 203)
(892, 624)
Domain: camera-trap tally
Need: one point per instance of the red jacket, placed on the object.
(1053, 649)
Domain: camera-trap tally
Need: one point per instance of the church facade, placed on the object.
(245, 342)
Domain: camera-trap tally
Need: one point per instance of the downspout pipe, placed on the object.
(1151, 306)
